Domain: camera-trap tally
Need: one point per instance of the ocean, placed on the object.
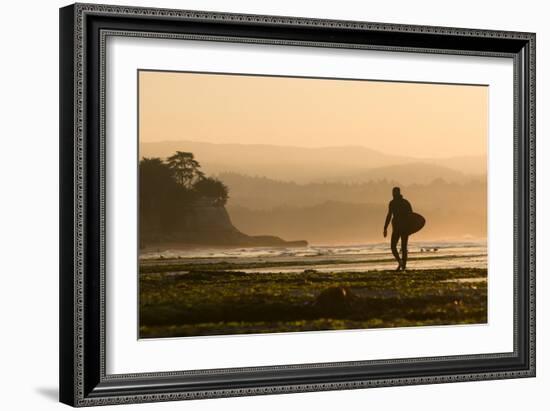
(334, 258)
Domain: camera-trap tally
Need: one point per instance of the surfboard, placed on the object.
(415, 222)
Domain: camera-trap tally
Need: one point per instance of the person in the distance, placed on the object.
(399, 211)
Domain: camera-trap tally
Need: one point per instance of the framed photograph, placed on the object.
(262, 204)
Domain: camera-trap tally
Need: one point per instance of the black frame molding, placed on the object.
(83, 31)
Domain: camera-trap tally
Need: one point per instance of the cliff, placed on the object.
(206, 223)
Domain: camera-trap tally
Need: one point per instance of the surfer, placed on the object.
(399, 211)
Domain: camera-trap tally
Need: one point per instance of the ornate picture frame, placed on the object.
(84, 82)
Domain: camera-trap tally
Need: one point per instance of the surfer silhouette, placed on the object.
(399, 211)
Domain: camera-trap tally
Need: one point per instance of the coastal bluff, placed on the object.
(206, 223)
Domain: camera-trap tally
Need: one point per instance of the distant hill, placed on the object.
(472, 165)
(304, 165)
(410, 173)
(336, 212)
(265, 193)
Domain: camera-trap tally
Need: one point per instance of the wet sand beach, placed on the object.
(278, 291)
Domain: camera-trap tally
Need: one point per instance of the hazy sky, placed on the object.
(409, 119)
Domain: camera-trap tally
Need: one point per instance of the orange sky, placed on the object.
(409, 119)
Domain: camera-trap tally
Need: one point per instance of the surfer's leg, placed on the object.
(394, 240)
(404, 250)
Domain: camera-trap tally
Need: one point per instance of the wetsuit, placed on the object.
(399, 210)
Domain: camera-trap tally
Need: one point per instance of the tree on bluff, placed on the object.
(212, 188)
(167, 190)
(185, 169)
(159, 195)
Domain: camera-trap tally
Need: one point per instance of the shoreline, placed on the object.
(259, 265)
(182, 246)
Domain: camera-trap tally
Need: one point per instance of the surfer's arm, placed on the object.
(388, 219)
